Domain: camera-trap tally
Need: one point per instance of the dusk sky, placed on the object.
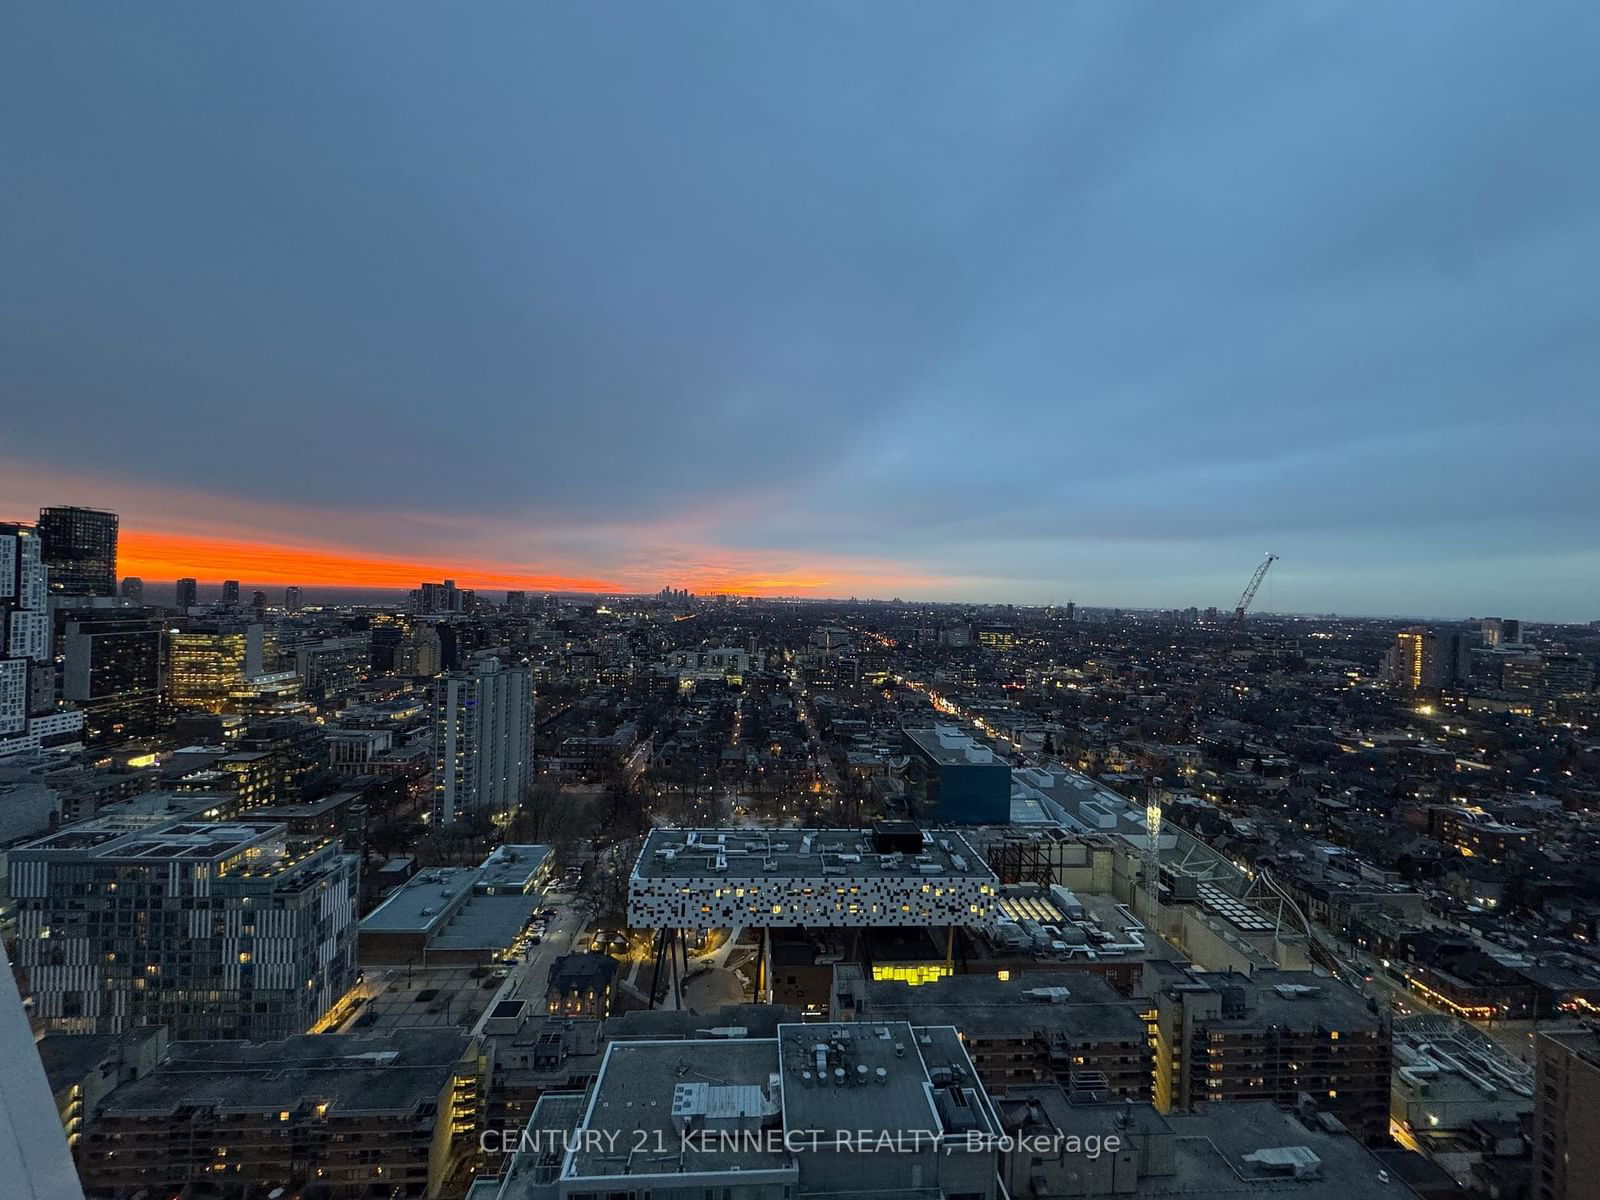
(1019, 302)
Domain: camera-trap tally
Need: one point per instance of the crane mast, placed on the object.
(1251, 589)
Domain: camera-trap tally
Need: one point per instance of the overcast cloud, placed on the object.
(1019, 302)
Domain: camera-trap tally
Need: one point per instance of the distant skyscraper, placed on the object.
(187, 594)
(433, 598)
(29, 719)
(1413, 660)
(291, 599)
(258, 601)
(230, 591)
(516, 603)
(80, 550)
(133, 590)
(482, 740)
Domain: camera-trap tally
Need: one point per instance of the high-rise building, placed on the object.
(208, 665)
(1413, 660)
(215, 930)
(482, 739)
(133, 590)
(230, 592)
(1566, 1114)
(186, 594)
(29, 719)
(516, 603)
(113, 672)
(258, 604)
(80, 550)
(291, 599)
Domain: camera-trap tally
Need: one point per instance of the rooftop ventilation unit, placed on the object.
(1298, 1161)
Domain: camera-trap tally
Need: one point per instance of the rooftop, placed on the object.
(111, 840)
(801, 853)
(424, 904)
(453, 907)
(514, 867)
(951, 746)
(632, 1102)
(1248, 1147)
(348, 1073)
(1293, 999)
(69, 1057)
(860, 1075)
(1078, 1003)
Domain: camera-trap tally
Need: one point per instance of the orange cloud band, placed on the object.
(174, 556)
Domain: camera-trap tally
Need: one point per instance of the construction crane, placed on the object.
(1251, 589)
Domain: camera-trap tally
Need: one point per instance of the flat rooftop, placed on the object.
(1085, 805)
(802, 853)
(950, 745)
(110, 839)
(1077, 1003)
(1254, 1147)
(465, 908)
(69, 1057)
(350, 1073)
(514, 867)
(845, 1089)
(425, 902)
(631, 1107)
(1292, 999)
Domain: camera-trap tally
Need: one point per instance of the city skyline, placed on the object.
(1081, 303)
(358, 578)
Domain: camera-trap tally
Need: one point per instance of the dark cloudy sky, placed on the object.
(948, 300)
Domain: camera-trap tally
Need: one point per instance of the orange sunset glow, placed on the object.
(159, 556)
(172, 556)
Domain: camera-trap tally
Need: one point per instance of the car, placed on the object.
(549, 912)
(535, 940)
